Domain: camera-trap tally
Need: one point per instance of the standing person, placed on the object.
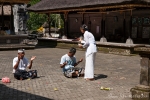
(19, 66)
(68, 64)
(89, 43)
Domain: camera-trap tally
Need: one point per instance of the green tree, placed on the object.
(36, 20)
(57, 20)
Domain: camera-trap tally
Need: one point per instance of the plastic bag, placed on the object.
(6, 80)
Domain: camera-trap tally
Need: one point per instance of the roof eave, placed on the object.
(15, 1)
(89, 8)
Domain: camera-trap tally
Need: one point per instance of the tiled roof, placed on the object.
(14, 1)
(68, 4)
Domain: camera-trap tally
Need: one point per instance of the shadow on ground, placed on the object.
(100, 76)
(7, 93)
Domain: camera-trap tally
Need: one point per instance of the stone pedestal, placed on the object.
(142, 91)
(103, 39)
(129, 41)
(64, 37)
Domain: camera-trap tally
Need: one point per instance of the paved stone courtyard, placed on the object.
(120, 73)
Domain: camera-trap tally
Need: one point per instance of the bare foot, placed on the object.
(21, 78)
(89, 79)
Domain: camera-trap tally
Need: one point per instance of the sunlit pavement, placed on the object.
(120, 73)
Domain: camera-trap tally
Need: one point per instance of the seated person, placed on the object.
(19, 65)
(68, 63)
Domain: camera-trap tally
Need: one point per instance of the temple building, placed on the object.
(13, 16)
(121, 21)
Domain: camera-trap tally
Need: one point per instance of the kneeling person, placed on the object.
(68, 63)
(19, 66)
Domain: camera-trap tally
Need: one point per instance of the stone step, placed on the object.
(16, 46)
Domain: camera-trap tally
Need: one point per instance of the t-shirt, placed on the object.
(22, 64)
(69, 60)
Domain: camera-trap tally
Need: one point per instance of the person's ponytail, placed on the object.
(84, 27)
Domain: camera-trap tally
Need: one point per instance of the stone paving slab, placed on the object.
(118, 72)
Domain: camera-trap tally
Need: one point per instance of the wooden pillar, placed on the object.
(1, 21)
(49, 23)
(82, 18)
(129, 40)
(103, 39)
(104, 26)
(124, 27)
(130, 25)
(11, 21)
(89, 24)
(66, 24)
(2, 17)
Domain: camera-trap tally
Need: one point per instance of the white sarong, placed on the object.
(89, 66)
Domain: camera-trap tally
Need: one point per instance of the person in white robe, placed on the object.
(91, 49)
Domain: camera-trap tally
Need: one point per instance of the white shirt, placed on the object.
(89, 43)
(69, 60)
(22, 64)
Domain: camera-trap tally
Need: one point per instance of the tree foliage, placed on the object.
(36, 20)
(57, 20)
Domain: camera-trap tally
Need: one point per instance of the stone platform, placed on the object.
(13, 42)
(13, 39)
(15, 46)
(105, 47)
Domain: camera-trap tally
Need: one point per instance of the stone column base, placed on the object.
(64, 37)
(129, 41)
(103, 39)
(140, 92)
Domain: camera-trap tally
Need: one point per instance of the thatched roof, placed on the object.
(14, 1)
(55, 5)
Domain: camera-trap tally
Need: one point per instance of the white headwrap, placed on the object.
(21, 50)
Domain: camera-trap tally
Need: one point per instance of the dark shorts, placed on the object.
(22, 74)
(68, 73)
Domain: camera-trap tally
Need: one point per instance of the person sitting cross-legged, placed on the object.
(19, 66)
(68, 63)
